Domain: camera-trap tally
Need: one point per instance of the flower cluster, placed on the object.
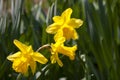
(64, 29)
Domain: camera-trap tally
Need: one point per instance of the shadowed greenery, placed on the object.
(98, 53)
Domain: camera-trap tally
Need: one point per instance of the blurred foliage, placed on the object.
(98, 54)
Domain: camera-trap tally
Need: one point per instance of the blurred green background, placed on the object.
(98, 54)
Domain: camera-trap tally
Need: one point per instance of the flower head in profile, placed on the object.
(63, 25)
(25, 57)
(59, 48)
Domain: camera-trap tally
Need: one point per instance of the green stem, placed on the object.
(19, 76)
(42, 47)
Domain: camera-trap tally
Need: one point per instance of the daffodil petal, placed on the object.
(68, 51)
(33, 66)
(58, 19)
(60, 40)
(53, 28)
(14, 56)
(39, 58)
(20, 45)
(75, 23)
(67, 14)
(29, 49)
(59, 62)
(58, 35)
(54, 58)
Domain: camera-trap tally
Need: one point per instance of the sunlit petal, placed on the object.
(53, 28)
(58, 19)
(39, 58)
(59, 42)
(59, 62)
(58, 35)
(68, 51)
(33, 66)
(20, 45)
(14, 56)
(30, 50)
(75, 23)
(67, 14)
(54, 58)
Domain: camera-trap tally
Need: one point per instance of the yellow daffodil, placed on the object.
(59, 47)
(25, 57)
(63, 25)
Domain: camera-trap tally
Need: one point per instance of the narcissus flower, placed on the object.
(25, 57)
(59, 47)
(63, 25)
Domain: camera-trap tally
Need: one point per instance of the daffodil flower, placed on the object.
(59, 47)
(25, 57)
(63, 26)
